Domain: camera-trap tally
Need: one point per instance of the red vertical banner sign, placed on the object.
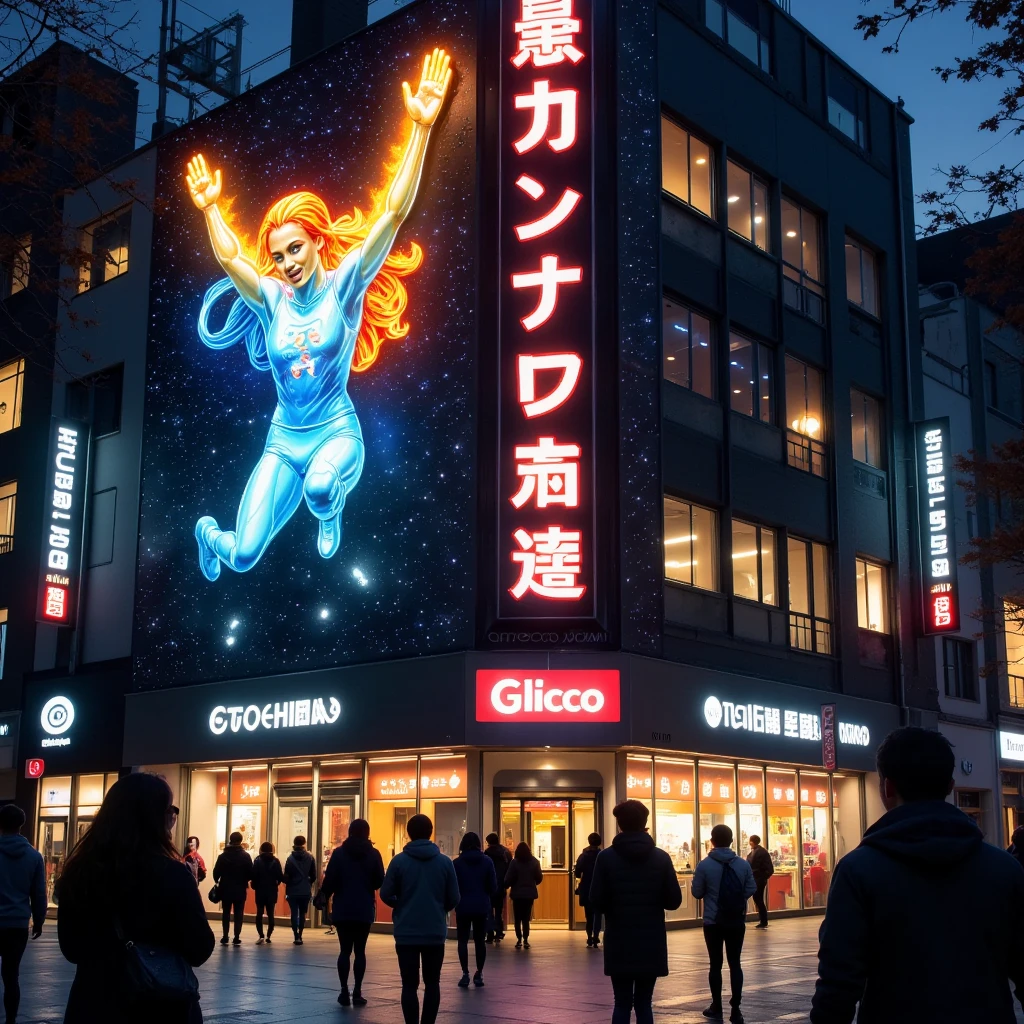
(546, 439)
(828, 736)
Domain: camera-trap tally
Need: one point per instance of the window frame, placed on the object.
(18, 376)
(10, 517)
(855, 394)
(798, 277)
(759, 531)
(965, 682)
(804, 451)
(819, 628)
(690, 312)
(4, 616)
(17, 268)
(884, 569)
(753, 183)
(860, 115)
(760, 351)
(713, 545)
(763, 61)
(687, 200)
(863, 250)
(92, 263)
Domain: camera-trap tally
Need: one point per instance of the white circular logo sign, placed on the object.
(713, 712)
(58, 715)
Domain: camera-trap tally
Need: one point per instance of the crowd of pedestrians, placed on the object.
(921, 891)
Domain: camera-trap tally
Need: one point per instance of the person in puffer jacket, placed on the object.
(299, 879)
(924, 918)
(474, 871)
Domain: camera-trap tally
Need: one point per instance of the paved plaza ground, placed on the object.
(557, 981)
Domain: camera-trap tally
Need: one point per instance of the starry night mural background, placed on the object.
(402, 583)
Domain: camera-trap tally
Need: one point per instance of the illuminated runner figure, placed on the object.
(300, 312)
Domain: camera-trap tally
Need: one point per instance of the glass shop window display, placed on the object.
(783, 837)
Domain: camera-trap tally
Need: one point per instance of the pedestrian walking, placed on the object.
(231, 873)
(267, 877)
(194, 860)
(299, 879)
(522, 878)
(762, 867)
(891, 940)
(22, 896)
(421, 888)
(474, 871)
(725, 882)
(584, 871)
(633, 884)
(353, 876)
(500, 858)
(124, 883)
(1016, 847)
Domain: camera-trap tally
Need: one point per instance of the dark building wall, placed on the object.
(317, 24)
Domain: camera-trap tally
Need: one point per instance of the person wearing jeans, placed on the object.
(299, 878)
(522, 878)
(500, 858)
(267, 876)
(633, 884)
(762, 866)
(22, 894)
(585, 873)
(474, 871)
(232, 873)
(421, 888)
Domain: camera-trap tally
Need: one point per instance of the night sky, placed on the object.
(402, 583)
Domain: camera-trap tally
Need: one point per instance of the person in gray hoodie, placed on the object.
(421, 888)
(724, 882)
(299, 878)
(22, 894)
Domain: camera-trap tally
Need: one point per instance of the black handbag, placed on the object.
(214, 895)
(152, 973)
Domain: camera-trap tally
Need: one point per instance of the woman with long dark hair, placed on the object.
(522, 878)
(125, 882)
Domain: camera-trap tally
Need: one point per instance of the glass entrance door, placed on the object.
(293, 819)
(53, 834)
(335, 818)
(556, 830)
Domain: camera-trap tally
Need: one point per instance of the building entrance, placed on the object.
(555, 828)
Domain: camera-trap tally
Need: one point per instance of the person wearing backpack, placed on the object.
(762, 866)
(724, 882)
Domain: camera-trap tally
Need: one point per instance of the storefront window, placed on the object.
(443, 799)
(340, 783)
(814, 835)
(639, 780)
(751, 808)
(847, 826)
(783, 891)
(249, 807)
(54, 812)
(391, 801)
(717, 802)
(511, 825)
(675, 832)
(208, 818)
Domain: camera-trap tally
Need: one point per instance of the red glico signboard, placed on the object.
(546, 437)
(537, 695)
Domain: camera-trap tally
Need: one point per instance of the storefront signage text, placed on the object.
(56, 718)
(794, 725)
(1011, 746)
(936, 517)
(556, 696)
(290, 714)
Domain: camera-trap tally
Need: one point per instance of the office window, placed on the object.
(753, 563)
(12, 384)
(3, 639)
(847, 105)
(872, 596)
(736, 21)
(686, 166)
(750, 378)
(96, 399)
(801, 259)
(958, 668)
(687, 349)
(8, 500)
(810, 596)
(1013, 634)
(691, 544)
(748, 206)
(805, 416)
(16, 266)
(861, 277)
(1003, 374)
(105, 245)
(866, 423)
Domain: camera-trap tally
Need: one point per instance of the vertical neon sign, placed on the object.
(546, 473)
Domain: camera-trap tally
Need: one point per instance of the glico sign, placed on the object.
(67, 467)
(546, 438)
(936, 518)
(536, 695)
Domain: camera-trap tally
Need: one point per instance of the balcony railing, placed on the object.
(1016, 691)
(6, 543)
(807, 454)
(810, 634)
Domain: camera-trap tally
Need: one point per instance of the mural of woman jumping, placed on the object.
(318, 301)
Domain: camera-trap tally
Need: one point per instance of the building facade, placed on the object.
(613, 504)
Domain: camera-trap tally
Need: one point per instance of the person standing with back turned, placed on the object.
(634, 884)
(522, 878)
(475, 873)
(232, 873)
(421, 888)
(924, 918)
(299, 879)
(500, 858)
(584, 871)
(267, 876)
(724, 882)
(22, 895)
(762, 868)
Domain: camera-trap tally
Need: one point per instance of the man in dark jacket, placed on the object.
(267, 876)
(585, 873)
(924, 918)
(354, 874)
(232, 873)
(475, 874)
(760, 861)
(501, 858)
(634, 884)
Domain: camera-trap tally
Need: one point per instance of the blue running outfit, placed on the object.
(314, 449)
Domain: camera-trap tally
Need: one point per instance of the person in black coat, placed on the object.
(299, 879)
(125, 874)
(500, 858)
(585, 873)
(890, 941)
(634, 884)
(232, 873)
(354, 874)
(522, 878)
(1016, 847)
(762, 866)
(267, 875)
(477, 882)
